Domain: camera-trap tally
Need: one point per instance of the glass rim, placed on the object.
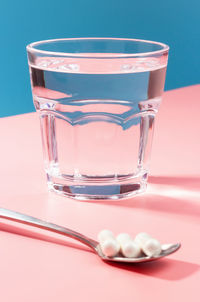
(31, 48)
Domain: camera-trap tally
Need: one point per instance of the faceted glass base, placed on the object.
(99, 189)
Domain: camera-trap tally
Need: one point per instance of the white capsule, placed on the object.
(110, 247)
(151, 247)
(130, 249)
(123, 237)
(105, 234)
(141, 238)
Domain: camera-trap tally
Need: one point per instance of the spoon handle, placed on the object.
(29, 220)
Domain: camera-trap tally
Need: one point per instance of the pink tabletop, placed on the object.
(39, 266)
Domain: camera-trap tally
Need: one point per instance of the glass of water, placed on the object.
(97, 99)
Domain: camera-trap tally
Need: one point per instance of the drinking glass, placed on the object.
(97, 99)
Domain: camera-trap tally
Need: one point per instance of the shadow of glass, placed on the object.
(167, 269)
(40, 235)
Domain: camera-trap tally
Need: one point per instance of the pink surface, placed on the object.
(39, 266)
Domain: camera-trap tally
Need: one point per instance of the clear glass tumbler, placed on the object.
(97, 99)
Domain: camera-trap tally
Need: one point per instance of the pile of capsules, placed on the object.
(142, 244)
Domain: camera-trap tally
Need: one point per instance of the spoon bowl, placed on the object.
(166, 249)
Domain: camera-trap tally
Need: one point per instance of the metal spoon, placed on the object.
(167, 249)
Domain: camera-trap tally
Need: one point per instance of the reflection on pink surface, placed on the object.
(113, 108)
(48, 93)
(83, 156)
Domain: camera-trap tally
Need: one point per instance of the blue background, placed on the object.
(174, 22)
